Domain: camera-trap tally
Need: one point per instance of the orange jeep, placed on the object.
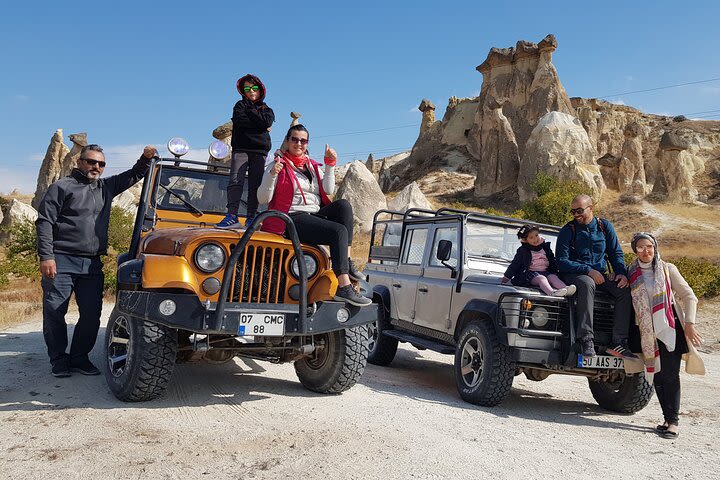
(189, 291)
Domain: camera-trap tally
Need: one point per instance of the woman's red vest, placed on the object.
(284, 192)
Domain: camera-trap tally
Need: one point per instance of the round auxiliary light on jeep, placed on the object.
(211, 285)
(540, 317)
(311, 266)
(210, 257)
(219, 150)
(167, 307)
(343, 315)
(178, 146)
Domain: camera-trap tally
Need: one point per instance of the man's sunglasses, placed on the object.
(92, 163)
(578, 211)
(301, 141)
(254, 88)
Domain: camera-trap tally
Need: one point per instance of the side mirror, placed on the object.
(444, 250)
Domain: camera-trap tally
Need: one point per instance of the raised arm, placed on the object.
(267, 186)
(122, 181)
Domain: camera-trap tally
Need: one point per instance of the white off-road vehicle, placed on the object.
(437, 275)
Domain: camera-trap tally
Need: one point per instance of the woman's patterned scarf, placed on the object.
(656, 321)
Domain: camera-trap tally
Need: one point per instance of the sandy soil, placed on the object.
(249, 419)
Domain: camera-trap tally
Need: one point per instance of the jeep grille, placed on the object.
(260, 275)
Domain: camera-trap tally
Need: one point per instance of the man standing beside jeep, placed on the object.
(581, 249)
(72, 234)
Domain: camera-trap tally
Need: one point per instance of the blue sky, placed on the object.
(133, 73)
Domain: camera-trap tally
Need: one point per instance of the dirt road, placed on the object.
(251, 419)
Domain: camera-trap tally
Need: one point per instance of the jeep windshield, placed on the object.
(496, 242)
(194, 190)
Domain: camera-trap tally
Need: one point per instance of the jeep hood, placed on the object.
(174, 241)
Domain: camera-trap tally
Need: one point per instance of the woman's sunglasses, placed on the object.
(92, 163)
(301, 141)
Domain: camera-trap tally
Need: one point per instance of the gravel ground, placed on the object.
(248, 419)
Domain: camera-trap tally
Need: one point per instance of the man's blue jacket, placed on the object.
(585, 249)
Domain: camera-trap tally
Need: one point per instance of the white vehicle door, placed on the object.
(435, 287)
(404, 282)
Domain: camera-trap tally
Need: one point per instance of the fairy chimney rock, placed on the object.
(295, 118)
(224, 131)
(79, 140)
(50, 167)
(428, 115)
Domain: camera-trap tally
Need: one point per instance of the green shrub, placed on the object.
(120, 230)
(553, 200)
(21, 251)
(21, 258)
(702, 275)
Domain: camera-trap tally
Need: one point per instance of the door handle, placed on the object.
(397, 285)
(423, 290)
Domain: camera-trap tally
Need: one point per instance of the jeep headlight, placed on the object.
(311, 266)
(540, 317)
(210, 257)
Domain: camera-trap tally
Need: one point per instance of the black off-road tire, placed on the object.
(630, 395)
(339, 364)
(487, 365)
(382, 349)
(150, 350)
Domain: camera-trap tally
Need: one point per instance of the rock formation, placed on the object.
(428, 115)
(678, 168)
(499, 155)
(50, 167)
(360, 188)
(224, 134)
(16, 212)
(410, 197)
(631, 178)
(559, 146)
(295, 118)
(79, 140)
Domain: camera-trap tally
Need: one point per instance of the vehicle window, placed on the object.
(414, 246)
(445, 233)
(205, 190)
(391, 235)
(496, 241)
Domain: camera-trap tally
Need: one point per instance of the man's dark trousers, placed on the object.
(82, 275)
(586, 289)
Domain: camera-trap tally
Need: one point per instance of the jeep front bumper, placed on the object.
(188, 313)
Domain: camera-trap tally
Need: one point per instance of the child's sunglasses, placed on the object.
(254, 88)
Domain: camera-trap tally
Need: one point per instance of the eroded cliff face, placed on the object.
(643, 154)
(617, 146)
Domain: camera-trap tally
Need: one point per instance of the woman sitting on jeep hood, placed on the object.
(295, 184)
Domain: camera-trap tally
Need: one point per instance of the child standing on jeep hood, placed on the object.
(252, 120)
(534, 264)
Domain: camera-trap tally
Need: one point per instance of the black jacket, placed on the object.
(74, 214)
(518, 269)
(251, 121)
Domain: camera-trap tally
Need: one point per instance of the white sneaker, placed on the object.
(561, 292)
(571, 289)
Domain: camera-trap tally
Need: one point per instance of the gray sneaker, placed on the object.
(587, 347)
(349, 295)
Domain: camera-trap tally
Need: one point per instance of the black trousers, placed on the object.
(586, 289)
(241, 163)
(667, 380)
(88, 290)
(332, 225)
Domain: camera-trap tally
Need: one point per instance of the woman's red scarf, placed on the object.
(299, 162)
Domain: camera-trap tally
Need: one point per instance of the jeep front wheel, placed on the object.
(338, 361)
(629, 394)
(484, 369)
(140, 357)
(382, 349)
